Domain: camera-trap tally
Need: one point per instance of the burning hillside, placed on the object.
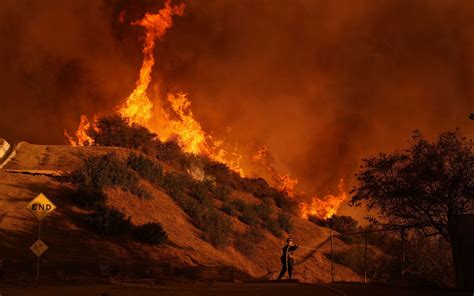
(320, 86)
(172, 119)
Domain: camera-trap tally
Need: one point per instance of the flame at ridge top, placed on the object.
(326, 207)
(82, 138)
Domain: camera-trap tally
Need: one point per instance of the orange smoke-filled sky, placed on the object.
(321, 83)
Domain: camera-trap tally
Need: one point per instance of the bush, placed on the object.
(141, 192)
(274, 227)
(100, 172)
(151, 233)
(285, 203)
(176, 183)
(285, 222)
(146, 168)
(171, 153)
(217, 228)
(263, 210)
(117, 131)
(258, 187)
(221, 192)
(222, 174)
(249, 215)
(108, 221)
(229, 209)
(201, 191)
(88, 197)
(248, 241)
(238, 204)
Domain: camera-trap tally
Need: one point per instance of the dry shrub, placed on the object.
(147, 168)
(221, 192)
(249, 215)
(274, 227)
(151, 233)
(200, 208)
(171, 153)
(117, 131)
(249, 240)
(108, 221)
(101, 172)
(221, 173)
(285, 222)
(230, 209)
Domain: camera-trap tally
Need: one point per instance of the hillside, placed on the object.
(76, 250)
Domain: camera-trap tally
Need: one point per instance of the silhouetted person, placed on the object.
(287, 260)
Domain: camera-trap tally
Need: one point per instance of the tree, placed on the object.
(428, 183)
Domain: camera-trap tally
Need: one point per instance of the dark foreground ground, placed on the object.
(227, 289)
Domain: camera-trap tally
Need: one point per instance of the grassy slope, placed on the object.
(72, 245)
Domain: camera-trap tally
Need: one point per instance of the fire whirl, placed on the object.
(181, 125)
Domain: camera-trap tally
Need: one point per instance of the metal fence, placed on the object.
(399, 232)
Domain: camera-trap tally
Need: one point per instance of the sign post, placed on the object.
(40, 207)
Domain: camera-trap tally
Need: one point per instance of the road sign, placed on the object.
(39, 247)
(41, 207)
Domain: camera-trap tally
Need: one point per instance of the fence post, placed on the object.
(402, 263)
(365, 257)
(332, 257)
(38, 257)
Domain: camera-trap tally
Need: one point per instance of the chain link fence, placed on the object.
(403, 255)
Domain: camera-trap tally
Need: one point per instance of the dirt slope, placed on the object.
(75, 249)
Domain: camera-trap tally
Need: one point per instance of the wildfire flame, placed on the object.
(324, 207)
(181, 124)
(138, 108)
(82, 138)
(284, 182)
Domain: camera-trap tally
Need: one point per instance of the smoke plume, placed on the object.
(320, 83)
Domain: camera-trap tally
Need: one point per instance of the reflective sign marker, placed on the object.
(41, 207)
(39, 247)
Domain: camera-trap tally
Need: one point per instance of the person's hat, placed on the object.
(289, 240)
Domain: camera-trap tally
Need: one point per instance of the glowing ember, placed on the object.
(326, 207)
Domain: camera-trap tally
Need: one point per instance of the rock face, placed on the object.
(4, 147)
